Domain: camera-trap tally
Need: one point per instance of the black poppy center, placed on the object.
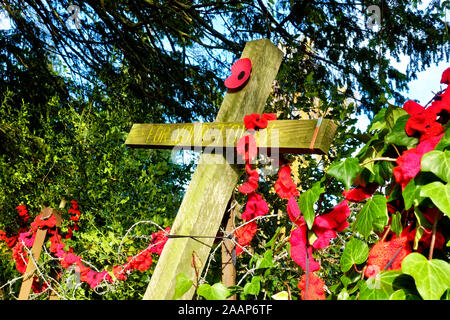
(241, 75)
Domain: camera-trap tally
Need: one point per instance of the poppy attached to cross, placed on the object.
(215, 177)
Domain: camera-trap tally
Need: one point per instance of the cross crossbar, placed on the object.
(214, 180)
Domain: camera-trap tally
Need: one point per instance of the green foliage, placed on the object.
(439, 193)
(306, 203)
(355, 252)
(183, 284)
(67, 104)
(372, 216)
(437, 162)
(398, 135)
(345, 171)
(215, 292)
(432, 277)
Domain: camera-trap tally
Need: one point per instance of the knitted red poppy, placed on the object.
(299, 249)
(384, 252)
(294, 211)
(315, 289)
(357, 194)
(244, 235)
(255, 121)
(256, 206)
(327, 225)
(446, 76)
(252, 181)
(442, 104)
(247, 148)
(284, 186)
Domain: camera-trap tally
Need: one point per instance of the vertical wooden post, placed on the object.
(214, 179)
(39, 241)
(229, 252)
(35, 254)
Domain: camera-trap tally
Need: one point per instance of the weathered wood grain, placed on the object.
(36, 253)
(288, 136)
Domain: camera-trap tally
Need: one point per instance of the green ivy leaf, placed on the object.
(393, 113)
(182, 285)
(378, 122)
(345, 171)
(343, 295)
(355, 252)
(215, 292)
(372, 216)
(396, 224)
(253, 287)
(266, 261)
(409, 194)
(381, 287)
(432, 277)
(382, 171)
(437, 162)
(439, 193)
(282, 295)
(444, 143)
(398, 134)
(306, 203)
(403, 294)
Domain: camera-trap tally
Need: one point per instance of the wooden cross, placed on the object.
(39, 241)
(214, 179)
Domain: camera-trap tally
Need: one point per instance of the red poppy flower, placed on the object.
(446, 76)
(19, 255)
(326, 225)
(247, 148)
(159, 239)
(244, 235)
(299, 249)
(69, 259)
(256, 206)
(27, 238)
(294, 211)
(315, 287)
(432, 130)
(47, 223)
(284, 186)
(413, 107)
(252, 181)
(23, 212)
(420, 122)
(74, 218)
(335, 219)
(119, 272)
(142, 261)
(409, 162)
(408, 167)
(240, 73)
(357, 194)
(442, 104)
(94, 278)
(384, 251)
(83, 270)
(255, 121)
